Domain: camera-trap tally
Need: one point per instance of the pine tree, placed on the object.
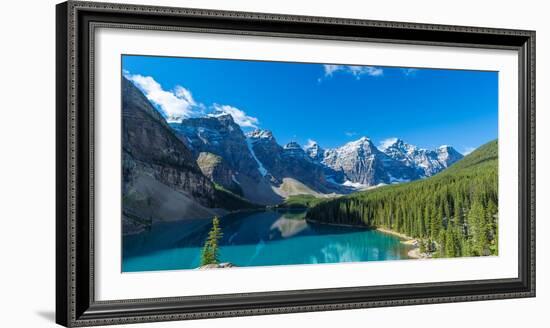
(476, 226)
(450, 247)
(492, 226)
(210, 251)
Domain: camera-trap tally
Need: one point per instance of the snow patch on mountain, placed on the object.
(261, 167)
(260, 134)
(355, 185)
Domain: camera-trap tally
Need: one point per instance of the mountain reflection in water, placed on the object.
(271, 237)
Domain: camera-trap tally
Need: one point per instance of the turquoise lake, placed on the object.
(272, 237)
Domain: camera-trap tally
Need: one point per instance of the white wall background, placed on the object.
(27, 145)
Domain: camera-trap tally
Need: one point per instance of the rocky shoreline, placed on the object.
(224, 265)
(413, 253)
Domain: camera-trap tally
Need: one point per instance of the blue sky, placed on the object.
(331, 104)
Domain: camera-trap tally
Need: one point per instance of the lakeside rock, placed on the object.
(217, 266)
(416, 254)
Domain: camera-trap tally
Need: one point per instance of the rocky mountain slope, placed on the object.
(161, 180)
(221, 136)
(288, 165)
(215, 168)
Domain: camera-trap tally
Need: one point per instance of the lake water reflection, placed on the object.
(271, 237)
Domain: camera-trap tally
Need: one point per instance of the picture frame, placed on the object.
(76, 25)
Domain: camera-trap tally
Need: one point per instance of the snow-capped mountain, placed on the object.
(219, 135)
(447, 155)
(293, 149)
(365, 165)
(256, 166)
(426, 162)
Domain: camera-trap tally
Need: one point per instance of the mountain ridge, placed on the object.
(427, 162)
(259, 162)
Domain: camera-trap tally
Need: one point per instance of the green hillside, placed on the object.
(228, 200)
(454, 213)
(301, 201)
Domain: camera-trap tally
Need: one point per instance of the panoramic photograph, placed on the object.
(236, 163)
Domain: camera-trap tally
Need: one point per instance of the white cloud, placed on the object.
(175, 105)
(356, 71)
(409, 71)
(238, 115)
(350, 133)
(329, 69)
(184, 93)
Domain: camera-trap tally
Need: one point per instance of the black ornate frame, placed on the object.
(76, 24)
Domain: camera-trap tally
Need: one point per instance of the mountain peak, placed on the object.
(448, 149)
(359, 143)
(314, 151)
(448, 155)
(396, 143)
(260, 134)
(292, 145)
(293, 149)
(224, 118)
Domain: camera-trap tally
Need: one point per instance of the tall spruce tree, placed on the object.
(210, 251)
